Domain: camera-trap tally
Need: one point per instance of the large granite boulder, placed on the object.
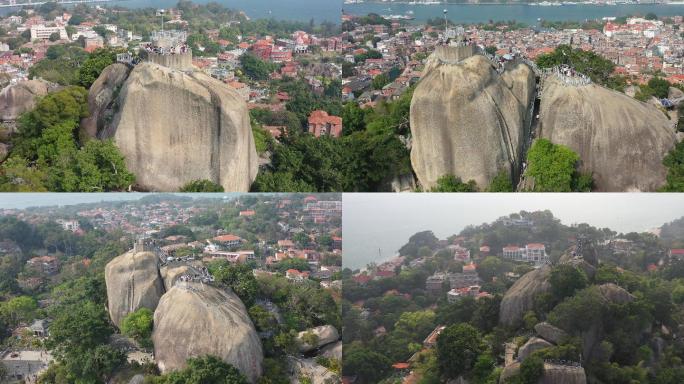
(550, 333)
(133, 282)
(171, 273)
(615, 294)
(325, 334)
(332, 351)
(608, 129)
(532, 345)
(101, 97)
(521, 295)
(553, 374)
(176, 126)
(468, 120)
(21, 97)
(197, 319)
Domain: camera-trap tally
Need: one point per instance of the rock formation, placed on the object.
(553, 374)
(21, 97)
(325, 334)
(197, 320)
(467, 120)
(133, 282)
(171, 273)
(608, 130)
(532, 345)
(175, 126)
(615, 294)
(332, 351)
(550, 333)
(520, 297)
(101, 96)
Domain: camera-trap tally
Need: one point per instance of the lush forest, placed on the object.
(627, 335)
(74, 299)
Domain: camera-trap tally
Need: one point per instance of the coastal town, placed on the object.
(398, 310)
(384, 57)
(289, 239)
(30, 36)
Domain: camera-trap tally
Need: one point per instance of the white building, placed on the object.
(43, 32)
(533, 253)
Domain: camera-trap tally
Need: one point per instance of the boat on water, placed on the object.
(397, 17)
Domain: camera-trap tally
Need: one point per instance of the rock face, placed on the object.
(563, 374)
(608, 130)
(332, 351)
(177, 126)
(171, 273)
(309, 368)
(467, 120)
(550, 333)
(326, 334)
(553, 374)
(532, 345)
(133, 282)
(201, 320)
(615, 294)
(520, 297)
(101, 97)
(21, 97)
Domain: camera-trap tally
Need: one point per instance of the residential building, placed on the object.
(322, 124)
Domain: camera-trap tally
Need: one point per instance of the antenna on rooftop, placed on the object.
(161, 12)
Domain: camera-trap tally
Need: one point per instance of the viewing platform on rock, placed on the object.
(169, 49)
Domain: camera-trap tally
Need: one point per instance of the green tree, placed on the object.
(239, 277)
(451, 183)
(380, 81)
(458, 349)
(255, 68)
(201, 186)
(674, 162)
(553, 167)
(205, 370)
(97, 61)
(501, 183)
(565, 280)
(138, 325)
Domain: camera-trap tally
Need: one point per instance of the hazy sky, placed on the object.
(25, 200)
(386, 221)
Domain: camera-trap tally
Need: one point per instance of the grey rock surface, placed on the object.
(608, 130)
(550, 333)
(199, 320)
(175, 126)
(532, 345)
(133, 282)
(326, 334)
(521, 295)
(22, 97)
(467, 120)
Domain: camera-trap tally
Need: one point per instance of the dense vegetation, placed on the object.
(369, 153)
(554, 168)
(48, 154)
(674, 162)
(600, 70)
(75, 297)
(631, 340)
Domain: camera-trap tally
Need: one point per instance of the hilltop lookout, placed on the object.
(168, 48)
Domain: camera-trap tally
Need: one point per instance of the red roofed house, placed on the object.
(228, 240)
(248, 212)
(293, 274)
(286, 244)
(362, 279)
(322, 124)
(677, 254)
